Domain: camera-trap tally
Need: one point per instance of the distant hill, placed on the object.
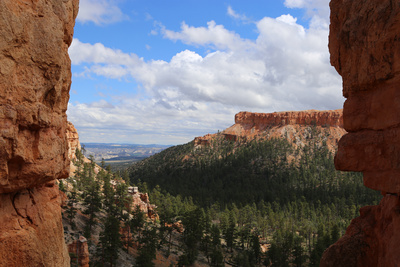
(115, 151)
(119, 156)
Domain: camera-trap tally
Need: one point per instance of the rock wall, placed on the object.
(31, 231)
(35, 78)
(307, 117)
(73, 144)
(365, 50)
(80, 249)
(73, 141)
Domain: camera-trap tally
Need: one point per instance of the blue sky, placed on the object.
(164, 72)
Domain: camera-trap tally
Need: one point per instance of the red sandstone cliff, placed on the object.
(291, 125)
(73, 141)
(365, 49)
(261, 121)
(73, 144)
(35, 78)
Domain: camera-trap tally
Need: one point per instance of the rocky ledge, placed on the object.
(333, 118)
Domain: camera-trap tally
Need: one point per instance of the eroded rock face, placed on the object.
(80, 249)
(142, 201)
(31, 232)
(292, 125)
(365, 50)
(307, 117)
(73, 144)
(35, 78)
(73, 141)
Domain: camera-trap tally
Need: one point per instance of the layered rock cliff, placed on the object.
(35, 78)
(73, 144)
(73, 141)
(364, 49)
(261, 121)
(295, 126)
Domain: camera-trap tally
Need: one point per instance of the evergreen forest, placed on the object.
(291, 198)
(263, 202)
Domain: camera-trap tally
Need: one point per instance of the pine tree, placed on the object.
(92, 203)
(230, 232)
(298, 252)
(122, 200)
(137, 221)
(147, 248)
(71, 210)
(216, 257)
(194, 227)
(255, 249)
(110, 239)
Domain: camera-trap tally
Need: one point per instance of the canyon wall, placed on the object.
(35, 77)
(73, 141)
(306, 117)
(365, 50)
(73, 144)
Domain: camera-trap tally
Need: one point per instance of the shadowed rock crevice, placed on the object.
(14, 166)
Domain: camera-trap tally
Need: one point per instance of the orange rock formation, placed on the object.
(291, 125)
(261, 121)
(73, 144)
(73, 141)
(80, 249)
(142, 200)
(365, 50)
(35, 78)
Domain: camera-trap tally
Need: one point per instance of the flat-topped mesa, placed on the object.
(295, 126)
(308, 117)
(291, 125)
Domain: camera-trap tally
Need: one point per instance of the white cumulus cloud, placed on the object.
(237, 16)
(285, 68)
(317, 10)
(215, 36)
(99, 12)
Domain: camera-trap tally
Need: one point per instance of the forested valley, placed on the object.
(263, 202)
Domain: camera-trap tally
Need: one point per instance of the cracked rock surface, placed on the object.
(35, 78)
(364, 46)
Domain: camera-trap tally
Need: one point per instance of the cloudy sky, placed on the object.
(164, 72)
